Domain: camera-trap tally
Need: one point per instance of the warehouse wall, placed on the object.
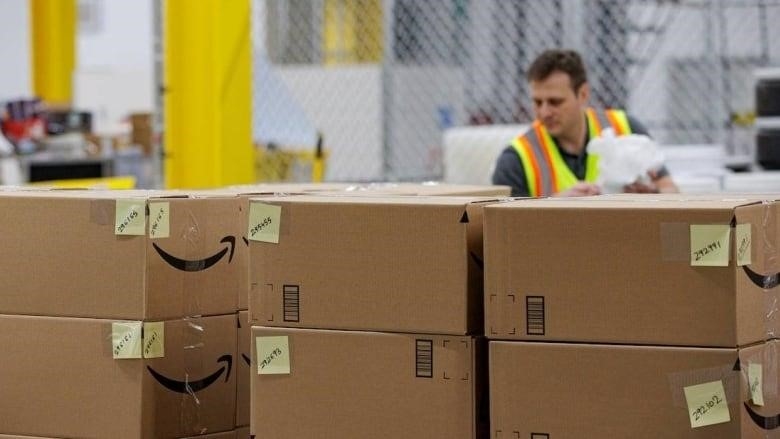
(15, 75)
(114, 61)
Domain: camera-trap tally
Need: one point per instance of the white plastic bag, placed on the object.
(10, 168)
(624, 160)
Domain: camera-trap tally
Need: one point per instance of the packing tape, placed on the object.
(101, 212)
(768, 246)
(192, 416)
(736, 377)
(728, 374)
(675, 242)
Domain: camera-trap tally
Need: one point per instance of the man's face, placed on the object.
(557, 105)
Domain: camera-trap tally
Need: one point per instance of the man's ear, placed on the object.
(583, 94)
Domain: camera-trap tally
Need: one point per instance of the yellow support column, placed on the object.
(207, 113)
(53, 36)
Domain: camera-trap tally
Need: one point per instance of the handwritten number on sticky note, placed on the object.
(707, 406)
(710, 248)
(270, 357)
(267, 221)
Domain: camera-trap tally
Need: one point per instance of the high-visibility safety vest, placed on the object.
(545, 171)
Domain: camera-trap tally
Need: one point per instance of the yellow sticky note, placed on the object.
(743, 243)
(130, 217)
(159, 220)
(273, 355)
(154, 339)
(126, 339)
(707, 404)
(264, 222)
(710, 245)
(755, 380)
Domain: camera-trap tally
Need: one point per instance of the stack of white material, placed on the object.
(470, 152)
(752, 182)
(697, 168)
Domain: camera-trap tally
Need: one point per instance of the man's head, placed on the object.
(559, 90)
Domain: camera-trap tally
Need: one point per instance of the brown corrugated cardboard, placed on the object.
(243, 354)
(620, 271)
(344, 384)
(62, 256)
(59, 379)
(552, 390)
(233, 434)
(407, 264)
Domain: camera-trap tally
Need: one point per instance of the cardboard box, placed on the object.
(62, 255)
(556, 390)
(233, 434)
(406, 264)
(621, 272)
(243, 371)
(59, 378)
(344, 384)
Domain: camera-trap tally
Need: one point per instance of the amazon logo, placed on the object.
(765, 422)
(194, 386)
(762, 281)
(243, 355)
(477, 260)
(200, 264)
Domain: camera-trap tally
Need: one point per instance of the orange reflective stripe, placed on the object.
(534, 164)
(546, 148)
(595, 121)
(616, 125)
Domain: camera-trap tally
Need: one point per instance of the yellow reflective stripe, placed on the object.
(620, 121)
(529, 164)
(565, 179)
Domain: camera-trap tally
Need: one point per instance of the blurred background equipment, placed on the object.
(383, 80)
(767, 118)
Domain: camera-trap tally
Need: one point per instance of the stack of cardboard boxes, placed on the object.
(633, 317)
(118, 314)
(365, 312)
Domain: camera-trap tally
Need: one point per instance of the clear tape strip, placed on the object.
(726, 373)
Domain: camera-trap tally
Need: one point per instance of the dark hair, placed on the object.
(559, 60)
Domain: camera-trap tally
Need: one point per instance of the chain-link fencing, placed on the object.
(378, 82)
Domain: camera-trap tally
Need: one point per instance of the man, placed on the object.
(551, 159)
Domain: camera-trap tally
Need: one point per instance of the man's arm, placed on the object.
(509, 172)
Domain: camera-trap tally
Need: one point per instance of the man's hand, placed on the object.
(641, 188)
(580, 189)
(656, 185)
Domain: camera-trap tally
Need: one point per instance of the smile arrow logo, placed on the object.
(765, 422)
(194, 386)
(200, 264)
(762, 281)
(244, 356)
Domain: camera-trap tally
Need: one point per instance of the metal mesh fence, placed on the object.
(382, 80)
